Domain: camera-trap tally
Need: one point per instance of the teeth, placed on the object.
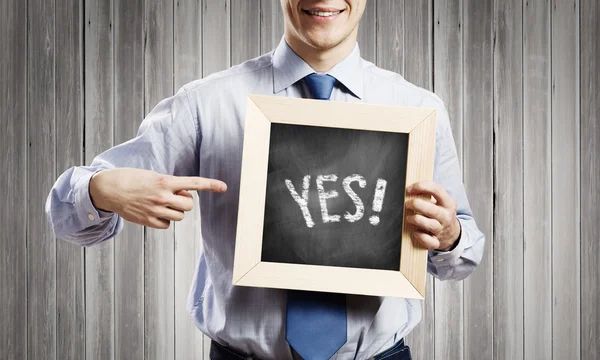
(322, 13)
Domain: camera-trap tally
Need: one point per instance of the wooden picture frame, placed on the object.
(262, 111)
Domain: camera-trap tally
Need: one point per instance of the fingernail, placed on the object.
(223, 187)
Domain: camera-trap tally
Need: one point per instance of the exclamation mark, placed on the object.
(378, 200)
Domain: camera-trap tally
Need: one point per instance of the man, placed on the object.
(195, 137)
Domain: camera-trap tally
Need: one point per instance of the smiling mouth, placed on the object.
(323, 13)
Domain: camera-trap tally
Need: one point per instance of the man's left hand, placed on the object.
(437, 226)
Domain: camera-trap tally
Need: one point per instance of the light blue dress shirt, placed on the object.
(199, 132)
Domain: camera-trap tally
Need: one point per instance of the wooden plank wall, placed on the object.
(520, 79)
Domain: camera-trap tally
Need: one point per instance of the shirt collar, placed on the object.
(288, 68)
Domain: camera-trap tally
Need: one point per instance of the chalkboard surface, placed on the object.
(334, 197)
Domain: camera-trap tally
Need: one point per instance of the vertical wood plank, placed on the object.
(565, 181)
(216, 36)
(367, 32)
(129, 112)
(478, 150)
(271, 25)
(13, 146)
(188, 240)
(159, 251)
(417, 70)
(70, 303)
(99, 260)
(390, 35)
(41, 170)
(448, 78)
(537, 188)
(590, 179)
(508, 227)
(245, 30)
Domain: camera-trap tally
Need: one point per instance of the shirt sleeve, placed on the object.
(167, 142)
(460, 262)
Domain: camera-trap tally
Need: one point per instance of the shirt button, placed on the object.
(439, 260)
(91, 217)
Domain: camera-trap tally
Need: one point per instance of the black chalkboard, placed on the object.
(355, 164)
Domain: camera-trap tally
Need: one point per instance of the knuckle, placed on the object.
(162, 181)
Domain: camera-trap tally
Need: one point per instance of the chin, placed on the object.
(323, 41)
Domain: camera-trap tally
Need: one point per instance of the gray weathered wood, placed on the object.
(565, 182)
(271, 25)
(41, 243)
(537, 165)
(508, 206)
(390, 35)
(13, 147)
(590, 179)
(99, 260)
(70, 302)
(367, 32)
(128, 30)
(159, 252)
(478, 162)
(447, 46)
(417, 69)
(216, 34)
(245, 30)
(99, 264)
(188, 239)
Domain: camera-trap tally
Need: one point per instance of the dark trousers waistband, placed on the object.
(220, 352)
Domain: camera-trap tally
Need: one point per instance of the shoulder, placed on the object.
(241, 75)
(404, 93)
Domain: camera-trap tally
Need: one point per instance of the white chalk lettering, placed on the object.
(324, 195)
(302, 201)
(360, 207)
(378, 200)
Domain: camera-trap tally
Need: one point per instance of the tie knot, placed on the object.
(320, 85)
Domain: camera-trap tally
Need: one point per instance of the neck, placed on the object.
(321, 60)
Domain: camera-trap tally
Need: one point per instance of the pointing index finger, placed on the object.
(197, 183)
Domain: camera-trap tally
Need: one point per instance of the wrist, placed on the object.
(455, 238)
(98, 201)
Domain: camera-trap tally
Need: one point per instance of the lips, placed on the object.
(323, 12)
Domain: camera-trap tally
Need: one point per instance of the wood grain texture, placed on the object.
(216, 35)
(14, 149)
(70, 302)
(418, 70)
(159, 251)
(508, 181)
(367, 32)
(128, 35)
(271, 25)
(188, 239)
(447, 47)
(245, 30)
(390, 35)
(565, 181)
(537, 188)
(41, 171)
(99, 111)
(478, 168)
(590, 178)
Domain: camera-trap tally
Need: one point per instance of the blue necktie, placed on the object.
(316, 321)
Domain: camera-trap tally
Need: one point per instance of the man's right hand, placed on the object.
(146, 197)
